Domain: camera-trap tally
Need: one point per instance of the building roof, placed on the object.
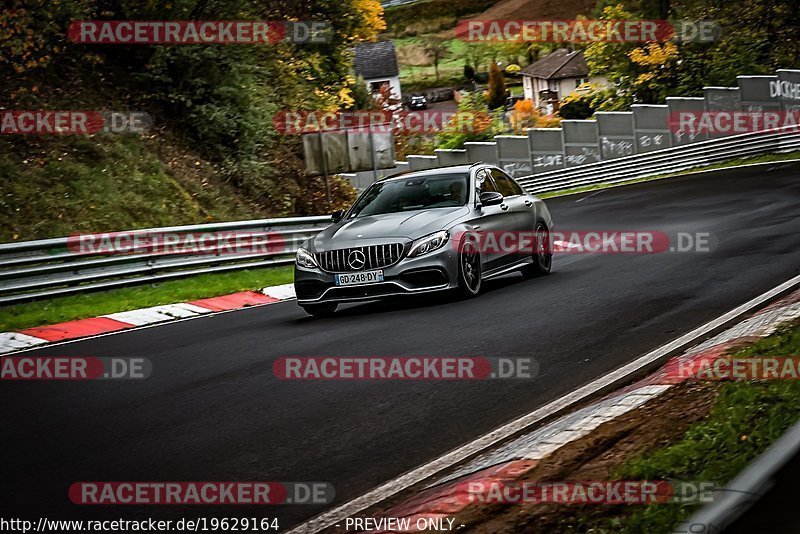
(375, 60)
(562, 63)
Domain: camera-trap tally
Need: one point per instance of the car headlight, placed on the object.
(429, 243)
(305, 259)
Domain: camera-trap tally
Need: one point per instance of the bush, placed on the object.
(485, 124)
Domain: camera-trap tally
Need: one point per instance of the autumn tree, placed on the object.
(372, 24)
(497, 87)
(755, 37)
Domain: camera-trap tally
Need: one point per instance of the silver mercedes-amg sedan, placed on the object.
(440, 229)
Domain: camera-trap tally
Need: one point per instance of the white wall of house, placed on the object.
(527, 88)
(394, 84)
(532, 86)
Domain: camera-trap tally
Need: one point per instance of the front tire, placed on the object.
(469, 269)
(325, 309)
(542, 253)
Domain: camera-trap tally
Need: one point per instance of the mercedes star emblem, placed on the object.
(356, 260)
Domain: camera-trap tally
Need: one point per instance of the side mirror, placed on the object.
(337, 216)
(491, 198)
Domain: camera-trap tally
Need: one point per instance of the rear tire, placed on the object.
(325, 309)
(469, 269)
(542, 253)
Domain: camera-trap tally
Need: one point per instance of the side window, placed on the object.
(517, 188)
(484, 181)
(507, 186)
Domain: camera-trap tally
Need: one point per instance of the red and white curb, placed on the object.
(113, 322)
(450, 494)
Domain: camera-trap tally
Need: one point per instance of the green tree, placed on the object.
(362, 98)
(577, 106)
(436, 49)
(475, 54)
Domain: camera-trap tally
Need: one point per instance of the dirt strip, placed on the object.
(658, 423)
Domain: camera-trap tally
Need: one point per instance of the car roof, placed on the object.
(435, 171)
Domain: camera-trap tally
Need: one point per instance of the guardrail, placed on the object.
(748, 491)
(49, 267)
(39, 269)
(666, 161)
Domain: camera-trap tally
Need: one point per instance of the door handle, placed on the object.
(528, 203)
(504, 207)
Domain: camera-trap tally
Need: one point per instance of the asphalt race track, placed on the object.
(212, 409)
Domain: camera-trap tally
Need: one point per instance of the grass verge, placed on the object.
(746, 418)
(730, 163)
(69, 308)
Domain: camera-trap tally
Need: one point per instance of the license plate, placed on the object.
(354, 279)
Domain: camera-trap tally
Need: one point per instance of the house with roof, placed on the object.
(377, 64)
(555, 76)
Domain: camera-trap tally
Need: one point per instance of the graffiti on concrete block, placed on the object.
(518, 169)
(647, 140)
(548, 161)
(689, 135)
(621, 147)
(587, 155)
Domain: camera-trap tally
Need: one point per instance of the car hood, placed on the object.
(377, 228)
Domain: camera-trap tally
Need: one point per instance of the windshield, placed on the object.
(424, 192)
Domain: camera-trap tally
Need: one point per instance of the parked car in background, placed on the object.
(418, 102)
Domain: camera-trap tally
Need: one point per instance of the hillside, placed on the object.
(538, 9)
(213, 153)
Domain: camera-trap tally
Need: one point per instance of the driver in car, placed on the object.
(457, 192)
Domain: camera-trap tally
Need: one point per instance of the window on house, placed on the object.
(375, 87)
(579, 82)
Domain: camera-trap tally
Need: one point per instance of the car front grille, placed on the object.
(374, 257)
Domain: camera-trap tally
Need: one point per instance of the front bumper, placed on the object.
(435, 271)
